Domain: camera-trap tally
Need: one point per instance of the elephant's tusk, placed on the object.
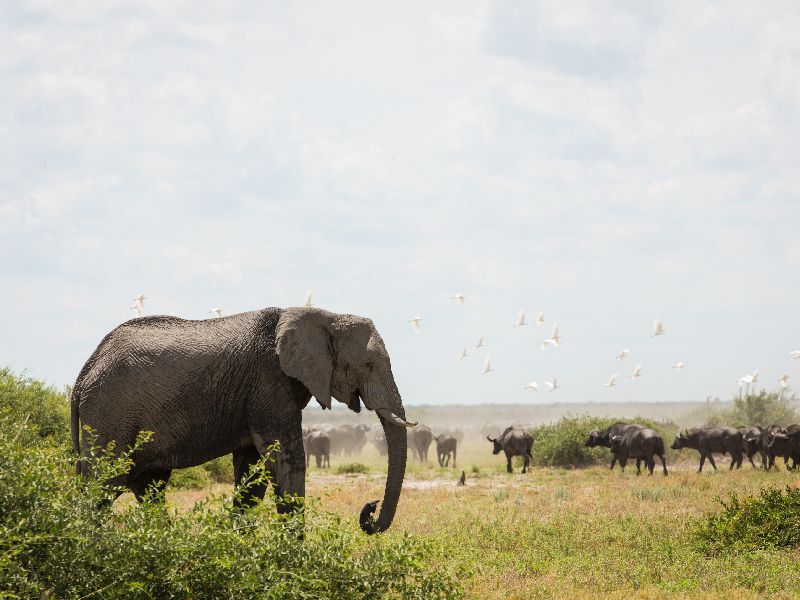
(390, 416)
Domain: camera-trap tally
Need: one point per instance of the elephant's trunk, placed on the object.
(397, 442)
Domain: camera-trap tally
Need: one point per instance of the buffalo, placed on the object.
(752, 443)
(514, 442)
(784, 442)
(709, 440)
(643, 445)
(445, 446)
(602, 437)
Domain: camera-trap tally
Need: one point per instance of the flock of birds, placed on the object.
(554, 341)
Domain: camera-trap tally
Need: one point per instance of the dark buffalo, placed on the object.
(641, 444)
(445, 446)
(316, 443)
(514, 442)
(784, 442)
(419, 440)
(602, 437)
(752, 443)
(709, 440)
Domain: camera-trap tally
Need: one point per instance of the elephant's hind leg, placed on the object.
(155, 479)
(250, 495)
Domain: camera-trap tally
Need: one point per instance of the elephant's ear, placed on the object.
(304, 349)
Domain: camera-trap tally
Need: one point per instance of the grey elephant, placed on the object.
(446, 446)
(237, 384)
(514, 442)
(316, 443)
(421, 440)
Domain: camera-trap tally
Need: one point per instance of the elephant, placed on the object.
(445, 446)
(318, 443)
(236, 384)
(514, 442)
(421, 440)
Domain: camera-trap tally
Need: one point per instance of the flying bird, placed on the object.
(487, 366)
(533, 385)
(308, 301)
(463, 354)
(612, 381)
(748, 379)
(553, 385)
(795, 354)
(552, 340)
(637, 372)
(139, 300)
(415, 321)
(520, 320)
(540, 318)
(480, 343)
(658, 328)
(460, 298)
(623, 353)
(678, 366)
(216, 311)
(784, 380)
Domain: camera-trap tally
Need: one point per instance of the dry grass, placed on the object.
(561, 533)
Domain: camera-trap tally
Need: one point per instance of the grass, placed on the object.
(583, 533)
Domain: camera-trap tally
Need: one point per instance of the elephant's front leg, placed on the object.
(287, 464)
(248, 495)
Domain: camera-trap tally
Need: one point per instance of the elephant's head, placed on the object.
(343, 357)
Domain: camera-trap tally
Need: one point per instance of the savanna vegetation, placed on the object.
(568, 528)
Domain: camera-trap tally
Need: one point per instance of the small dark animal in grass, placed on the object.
(463, 479)
(420, 439)
(317, 443)
(445, 446)
(710, 440)
(752, 443)
(641, 444)
(602, 437)
(786, 443)
(514, 442)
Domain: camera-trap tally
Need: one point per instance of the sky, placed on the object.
(607, 163)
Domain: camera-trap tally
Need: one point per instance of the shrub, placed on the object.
(764, 409)
(561, 444)
(56, 540)
(193, 478)
(769, 520)
(352, 468)
(29, 400)
(220, 469)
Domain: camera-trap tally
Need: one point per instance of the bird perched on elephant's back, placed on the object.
(421, 440)
(514, 442)
(236, 384)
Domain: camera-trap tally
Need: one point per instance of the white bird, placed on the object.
(308, 301)
(784, 380)
(540, 318)
(795, 354)
(460, 298)
(623, 353)
(553, 385)
(678, 366)
(480, 343)
(637, 372)
(415, 321)
(748, 379)
(552, 340)
(533, 385)
(463, 354)
(216, 311)
(487, 366)
(612, 381)
(520, 320)
(658, 328)
(139, 300)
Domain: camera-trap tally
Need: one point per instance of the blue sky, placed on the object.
(606, 162)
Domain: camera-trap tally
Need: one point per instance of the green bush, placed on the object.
(220, 469)
(352, 468)
(769, 520)
(57, 540)
(561, 444)
(193, 478)
(44, 407)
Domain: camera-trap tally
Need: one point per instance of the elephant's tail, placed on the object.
(75, 428)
